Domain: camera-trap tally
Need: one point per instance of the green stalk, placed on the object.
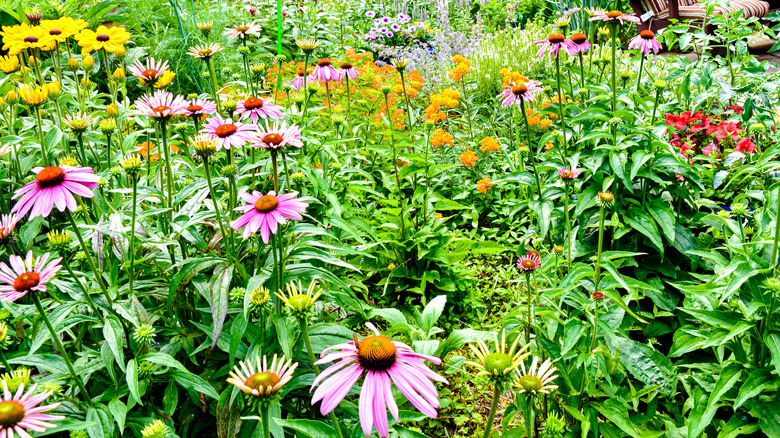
(773, 263)
(349, 103)
(530, 417)
(641, 65)
(614, 65)
(216, 204)
(266, 415)
(83, 289)
(132, 233)
(305, 333)
(531, 148)
(493, 408)
(91, 262)
(397, 180)
(40, 135)
(409, 106)
(568, 223)
(213, 74)
(530, 298)
(597, 273)
(561, 103)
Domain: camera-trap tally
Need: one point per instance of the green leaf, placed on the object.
(132, 381)
(768, 418)
(772, 341)
(647, 364)
(236, 335)
(617, 413)
(664, 216)
(194, 383)
(119, 411)
(309, 428)
(758, 381)
(113, 333)
(220, 290)
(456, 339)
(643, 222)
(391, 315)
(432, 312)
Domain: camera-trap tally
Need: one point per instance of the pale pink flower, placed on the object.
(324, 71)
(579, 44)
(384, 362)
(299, 80)
(568, 173)
(346, 70)
(24, 414)
(205, 51)
(645, 42)
(52, 186)
(554, 42)
(242, 31)
(528, 262)
(259, 379)
(29, 274)
(199, 107)
(7, 224)
(277, 136)
(616, 16)
(161, 105)
(516, 93)
(267, 212)
(149, 72)
(227, 133)
(257, 108)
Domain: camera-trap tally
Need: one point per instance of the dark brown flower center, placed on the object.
(301, 73)
(225, 130)
(150, 74)
(242, 28)
(346, 66)
(194, 108)
(273, 139)
(11, 413)
(161, 109)
(519, 89)
(266, 204)
(102, 37)
(614, 14)
(55, 32)
(50, 177)
(262, 381)
(25, 282)
(375, 353)
(579, 38)
(556, 38)
(253, 103)
(324, 62)
(31, 39)
(647, 34)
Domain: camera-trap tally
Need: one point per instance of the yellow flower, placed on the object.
(298, 301)
(53, 88)
(161, 82)
(23, 36)
(33, 94)
(110, 39)
(9, 64)
(63, 28)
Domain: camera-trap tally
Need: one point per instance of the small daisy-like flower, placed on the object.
(645, 42)
(110, 39)
(78, 122)
(260, 380)
(242, 31)
(581, 44)
(7, 224)
(151, 71)
(267, 212)
(528, 262)
(516, 93)
(500, 363)
(257, 108)
(20, 412)
(298, 81)
(227, 133)
(325, 72)
(161, 105)
(308, 45)
(554, 42)
(155, 429)
(536, 381)
(347, 70)
(277, 136)
(568, 173)
(205, 51)
(29, 274)
(615, 16)
(54, 185)
(605, 198)
(298, 301)
(200, 107)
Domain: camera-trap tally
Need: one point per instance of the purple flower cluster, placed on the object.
(389, 30)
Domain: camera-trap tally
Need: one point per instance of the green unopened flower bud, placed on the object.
(386, 89)
(192, 96)
(229, 170)
(259, 297)
(739, 209)
(772, 284)
(758, 127)
(146, 369)
(603, 34)
(660, 84)
(69, 160)
(243, 50)
(107, 126)
(724, 214)
(257, 69)
(131, 164)
(144, 334)
(205, 74)
(298, 98)
(749, 231)
(78, 433)
(298, 177)
(313, 87)
(335, 166)
(115, 170)
(4, 314)
(59, 241)
(523, 149)
(226, 71)
(157, 429)
(16, 378)
(338, 119)
(55, 389)
(4, 341)
(229, 105)
(615, 121)
(237, 295)
(236, 76)
(625, 74)
(281, 58)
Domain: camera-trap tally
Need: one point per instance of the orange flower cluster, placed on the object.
(489, 144)
(468, 158)
(462, 66)
(535, 119)
(484, 185)
(148, 146)
(511, 77)
(447, 98)
(555, 99)
(440, 137)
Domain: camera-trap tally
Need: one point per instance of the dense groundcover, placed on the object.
(409, 219)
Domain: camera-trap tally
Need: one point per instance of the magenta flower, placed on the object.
(149, 72)
(347, 71)
(568, 173)
(528, 262)
(54, 186)
(384, 362)
(199, 107)
(645, 42)
(242, 31)
(7, 224)
(515, 93)
(324, 71)
(580, 44)
(554, 42)
(26, 275)
(277, 136)
(616, 16)
(298, 82)
(22, 413)
(227, 133)
(257, 107)
(161, 105)
(267, 212)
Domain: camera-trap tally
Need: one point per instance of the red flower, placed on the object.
(737, 109)
(746, 146)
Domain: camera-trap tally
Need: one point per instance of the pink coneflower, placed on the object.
(227, 133)
(7, 224)
(242, 31)
(645, 42)
(346, 70)
(555, 42)
(324, 71)
(616, 15)
(277, 136)
(528, 262)
(384, 362)
(568, 173)
(266, 212)
(257, 108)
(581, 44)
(25, 275)
(514, 93)
(260, 380)
(200, 107)
(52, 186)
(149, 72)
(21, 413)
(161, 105)
(205, 51)
(299, 80)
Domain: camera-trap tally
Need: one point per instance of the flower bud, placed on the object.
(739, 209)
(597, 295)
(243, 50)
(606, 199)
(107, 126)
(144, 334)
(660, 84)
(69, 160)
(259, 297)
(73, 64)
(119, 74)
(87, 62)
(229, 170)
(112, 110)
(156, 429)
(11, 97)
(131, 164)
(558, 249)
(59, 241)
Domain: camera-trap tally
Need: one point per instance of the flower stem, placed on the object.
(91, 262)
(216, 203)
(531, 149)
(639, 78)
(773, 264)
(568, 224)
(213, 74)
(530, 299)
(614, 65)
(40, 134)
(561, 103)
(349, 103)
(530, 417)
(131, 251)
(304, 323)
(597, 273)
(266, 415)
(61, 348)
(493, 408)
(83, 289)
(168, 183)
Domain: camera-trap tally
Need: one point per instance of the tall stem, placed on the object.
(305, 333)
(266, 415)
(409, 107)
(561, 103)
(773, 264)
(529, 286)
(614, 65)
(493, 408)
(568, 224)
(531, 148)
(82, 287)
(597, 273)
(639, 78)
(91, 262)
(349, 102)
(216, 203)
(40, 136)
(213, 74)
(131, 252)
